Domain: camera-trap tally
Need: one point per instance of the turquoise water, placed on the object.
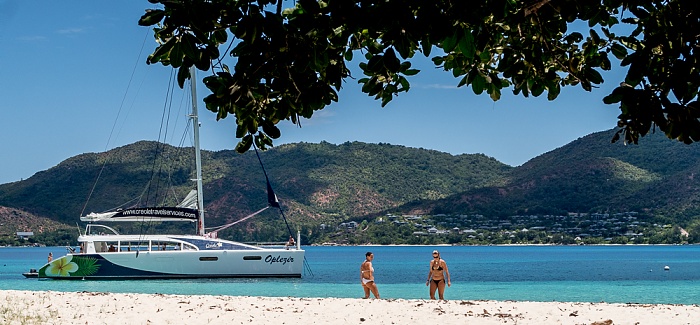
(534, 273)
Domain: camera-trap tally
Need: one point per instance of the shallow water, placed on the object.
(534, 273)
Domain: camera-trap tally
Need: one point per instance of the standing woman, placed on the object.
(437, 276)
(367, 276)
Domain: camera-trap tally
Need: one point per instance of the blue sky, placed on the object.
(66, 68)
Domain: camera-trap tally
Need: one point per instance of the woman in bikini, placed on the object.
(437, 276)
(367, 276)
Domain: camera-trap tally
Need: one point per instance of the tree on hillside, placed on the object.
(289, 61)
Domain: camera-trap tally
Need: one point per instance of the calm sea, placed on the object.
(618, 274)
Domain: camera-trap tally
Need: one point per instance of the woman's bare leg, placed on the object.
(366, 289)
(441, 290)
(433, 287)
(373, 287)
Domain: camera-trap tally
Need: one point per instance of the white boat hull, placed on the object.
(169, 256)
(177, 264)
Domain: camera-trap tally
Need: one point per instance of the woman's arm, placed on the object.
(447, 272)
(361, 267)
(430, 272)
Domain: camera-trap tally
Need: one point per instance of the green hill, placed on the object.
(317, 183)
(323, 183)
(591, 174)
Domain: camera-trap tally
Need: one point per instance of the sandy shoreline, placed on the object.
(50, 307)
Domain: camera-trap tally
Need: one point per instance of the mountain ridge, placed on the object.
(323, 183)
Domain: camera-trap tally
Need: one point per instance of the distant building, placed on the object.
(349, 225)
(24, 235)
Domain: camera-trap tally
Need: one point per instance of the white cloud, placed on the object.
(324, 116)
(70, 31)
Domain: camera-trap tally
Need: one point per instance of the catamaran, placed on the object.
(104, 253)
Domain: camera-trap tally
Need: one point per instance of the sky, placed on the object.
(74, 79)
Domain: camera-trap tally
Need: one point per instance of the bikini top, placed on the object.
(439, 267)
(371, 268)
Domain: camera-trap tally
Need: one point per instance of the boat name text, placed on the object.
(278, 259)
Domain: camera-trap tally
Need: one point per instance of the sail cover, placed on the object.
(145, 214)
(184, 211)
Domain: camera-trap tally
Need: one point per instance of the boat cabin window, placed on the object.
(133, 246)
(106, 246)
(128, 246)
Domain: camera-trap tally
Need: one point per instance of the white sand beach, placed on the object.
(48, 307)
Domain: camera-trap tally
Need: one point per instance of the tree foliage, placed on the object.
(290, 62)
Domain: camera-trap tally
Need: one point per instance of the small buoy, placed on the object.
(666, 268)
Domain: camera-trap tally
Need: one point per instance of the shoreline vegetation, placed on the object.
(50, 307)
(327, 244)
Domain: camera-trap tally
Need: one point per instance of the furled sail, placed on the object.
(185, 211)
(190, 200)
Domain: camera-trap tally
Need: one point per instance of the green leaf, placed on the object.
(462, 82)
(574, 37)
(182, 75)
(391, 62)
(619, 51)
(375, 63)
(615, 97)
(241, 131)
(494, 92)
(403, 47)
(151, 17)
(188, 44)
(479, 83)
(485, 56)
(271, 130)
(163, 51)
(219, 36)
(594, 36)
(450, 42)
(537, 89)
(86, 266)
(386, 98)
(466, 44)
(202, 64)
(427, 47)
(404, 83)
(244, 144)
(594, 76)
(553, 91)
(310, 6)
(636, 72)
(176, 56)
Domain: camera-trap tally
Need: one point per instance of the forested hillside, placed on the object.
(592, 175)
(317, 183)
(327, 184)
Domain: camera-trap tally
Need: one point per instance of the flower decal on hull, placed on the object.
(61, 267)
(70, 266)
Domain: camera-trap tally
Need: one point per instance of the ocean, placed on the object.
(613, 274)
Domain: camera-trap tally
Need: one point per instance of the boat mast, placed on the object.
(197, 156)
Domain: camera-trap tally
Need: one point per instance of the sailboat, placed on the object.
(104, 253)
